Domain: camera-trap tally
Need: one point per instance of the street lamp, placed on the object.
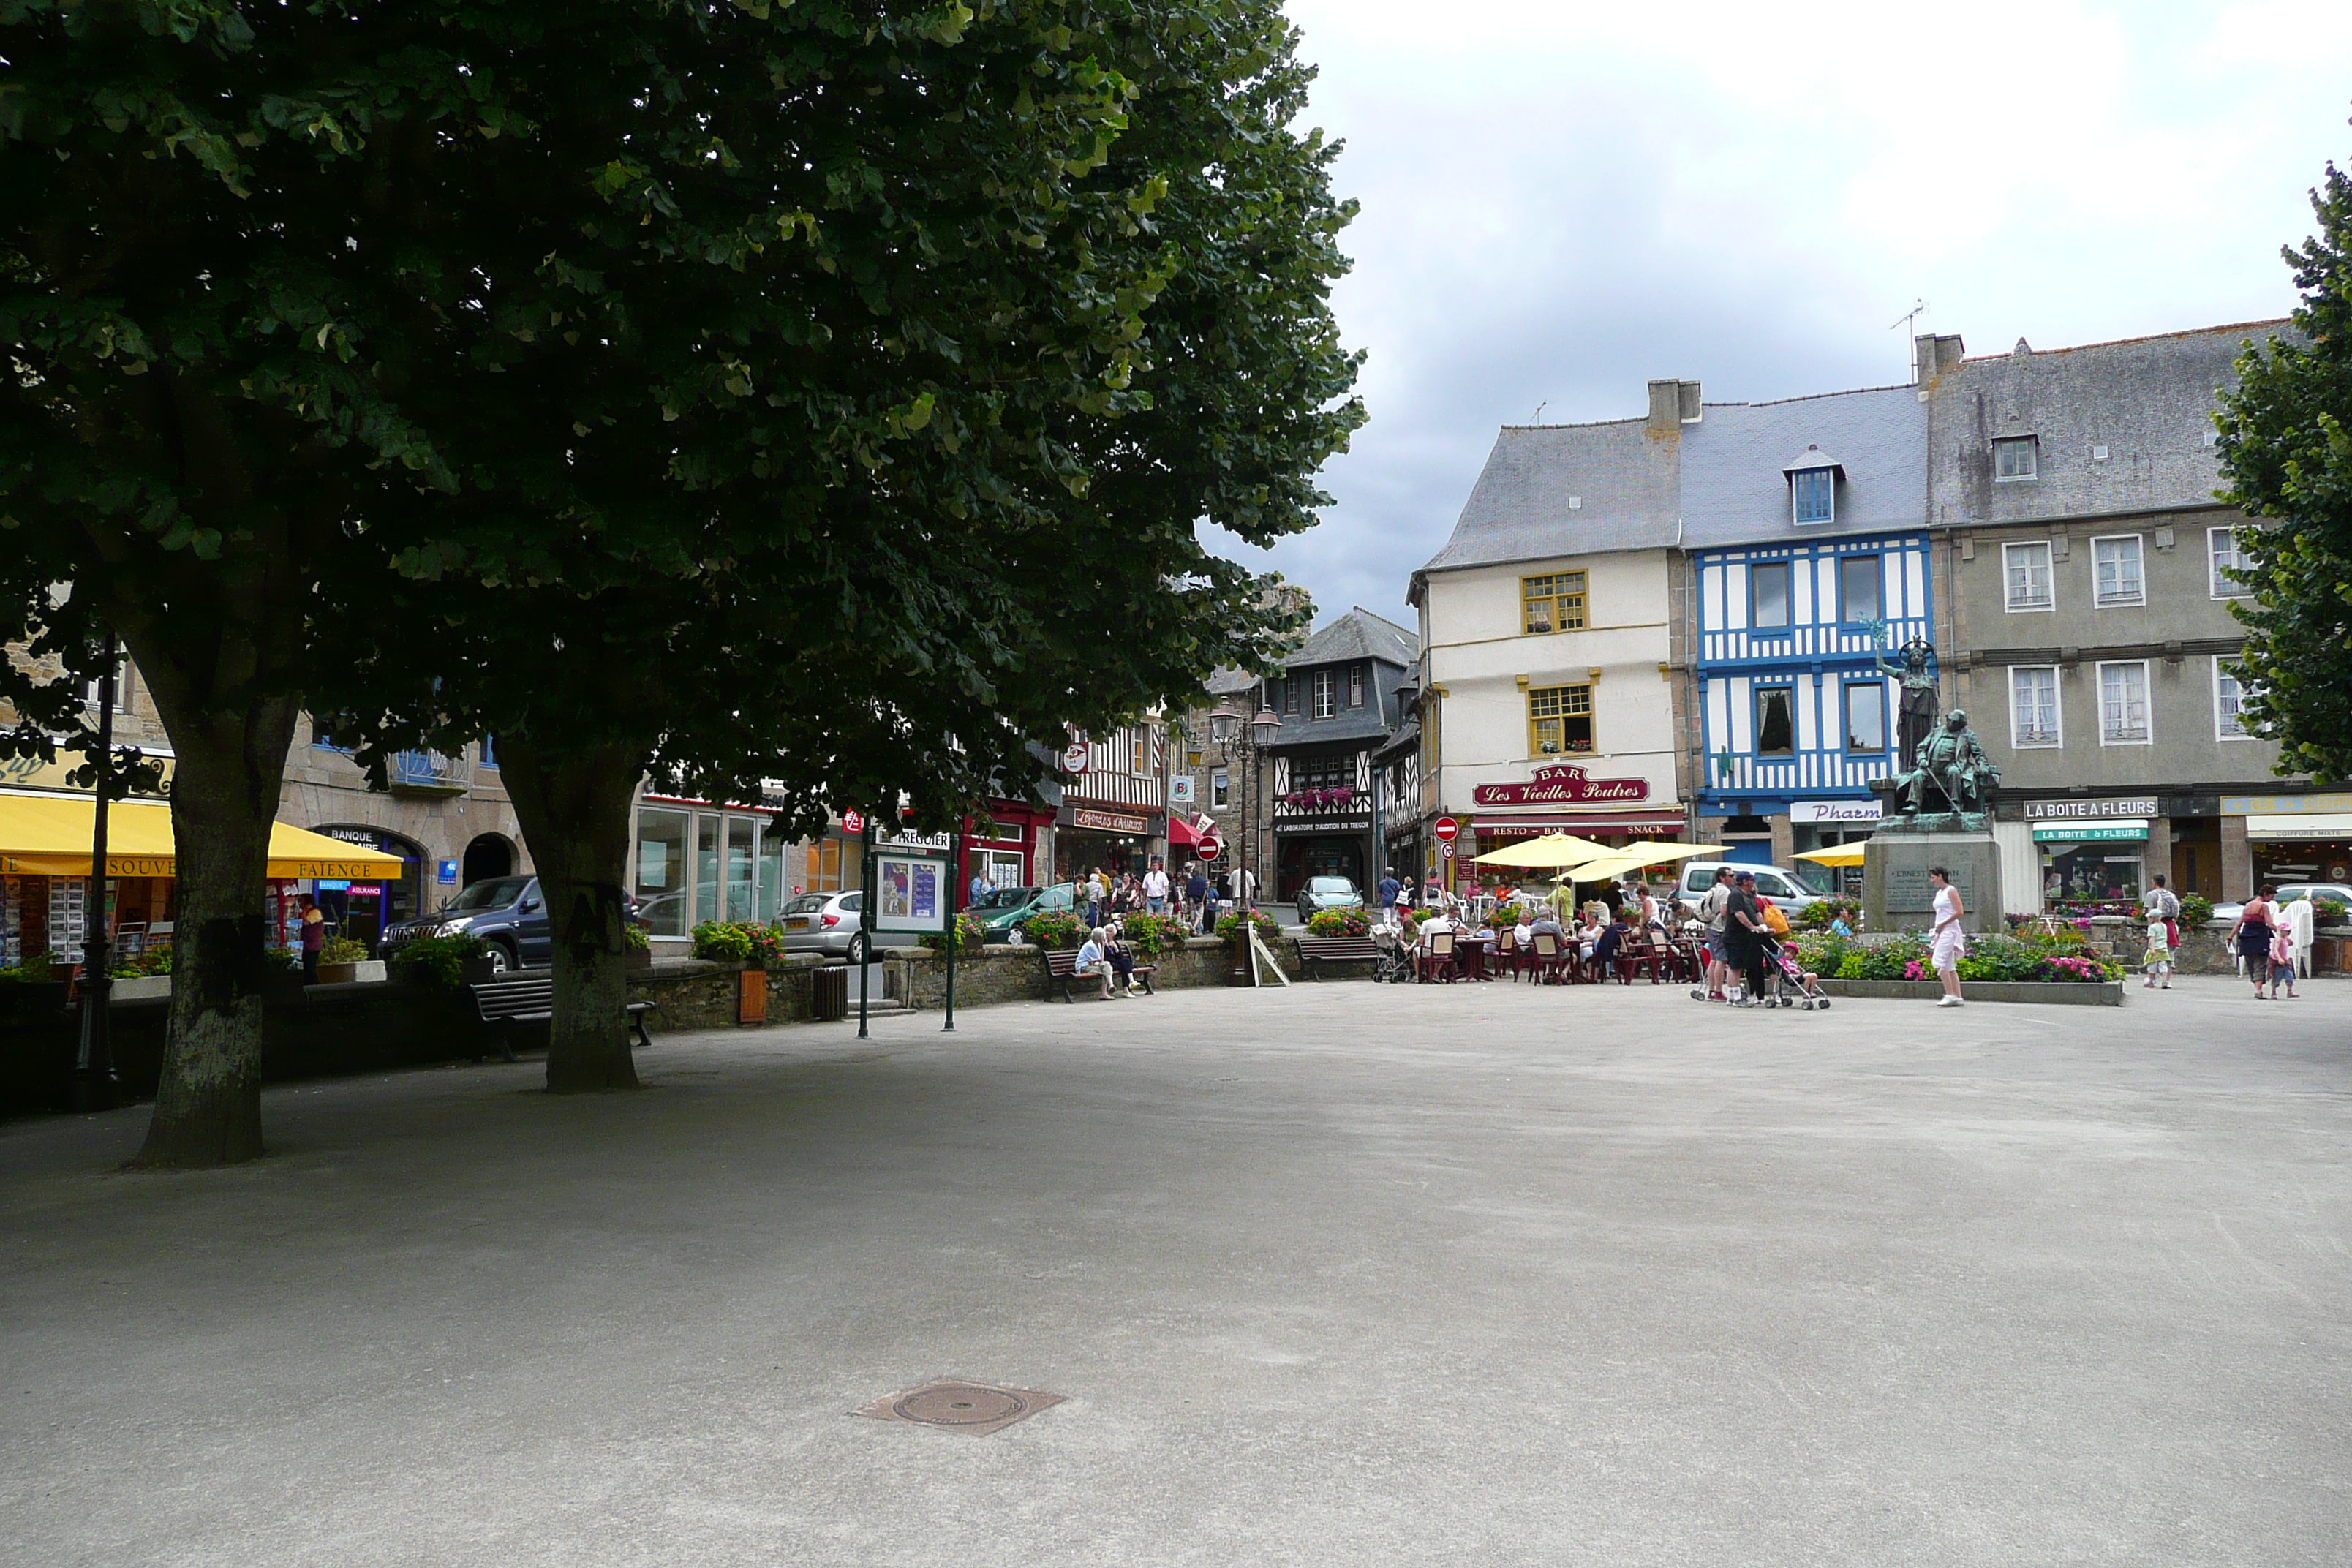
(1250, 737)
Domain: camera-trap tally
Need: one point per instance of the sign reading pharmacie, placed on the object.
(1561, 784)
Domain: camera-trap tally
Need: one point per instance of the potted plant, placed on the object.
(638, 951)
(343, 960)
(443, 962)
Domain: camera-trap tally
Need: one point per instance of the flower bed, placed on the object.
(1340, 922)
(2064, 958)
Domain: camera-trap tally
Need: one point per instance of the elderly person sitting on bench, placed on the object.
(1093, 964)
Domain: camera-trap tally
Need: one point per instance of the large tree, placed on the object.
(591, 314)
(2286, 455)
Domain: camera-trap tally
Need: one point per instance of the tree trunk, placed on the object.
(574, 810)
(225, 786)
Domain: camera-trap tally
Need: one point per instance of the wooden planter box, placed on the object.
(2047, 992)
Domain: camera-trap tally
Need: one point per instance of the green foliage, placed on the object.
(739, 942)
(156, 959)
(1231, 925)
(2286, 457)
(1340, 922)
(1150, 933)
(438, 962)
(343, 950)
(1821, 913)
(971, 936)
(2196, 909)
(637, 937)
(1054, 928)
(38, 970)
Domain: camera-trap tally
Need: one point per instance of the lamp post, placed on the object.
(1252, 738)
(94, 1080)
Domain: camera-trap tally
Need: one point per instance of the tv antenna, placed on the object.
(1536, 417)
(1910, 320)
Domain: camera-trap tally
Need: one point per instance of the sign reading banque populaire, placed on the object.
(1561, 786)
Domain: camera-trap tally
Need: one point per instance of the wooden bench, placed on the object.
(1062, 969)
(1316, 949)
(528, 996)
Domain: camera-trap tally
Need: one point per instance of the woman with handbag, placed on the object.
(2256, 929)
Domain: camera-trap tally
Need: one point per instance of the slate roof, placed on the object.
(2148, 400)
(1358, 634)
(1735, 484)
(1624, 475)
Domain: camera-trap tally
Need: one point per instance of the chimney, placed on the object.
(1936, 354)
(1672, 404)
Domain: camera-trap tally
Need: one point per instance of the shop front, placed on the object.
(2092, 866)
(694, 861)
(1086, 837)
(1310, 848)
(361, 907)
(1002, 849)
(2301, 847)
(1825, 824)
(1485, 833)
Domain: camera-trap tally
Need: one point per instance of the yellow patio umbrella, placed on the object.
(1555, 851)
(48, 836)
(1639, 856)
(1835, 855)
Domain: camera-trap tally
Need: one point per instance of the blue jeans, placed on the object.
(1155, 906)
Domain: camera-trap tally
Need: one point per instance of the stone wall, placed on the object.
(1018, 974)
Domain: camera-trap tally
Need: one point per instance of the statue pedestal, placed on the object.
(1896, 893)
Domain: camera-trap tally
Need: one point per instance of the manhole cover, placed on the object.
(973, 1408)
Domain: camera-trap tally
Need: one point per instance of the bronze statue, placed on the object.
(1917, 718)
(1953, 766)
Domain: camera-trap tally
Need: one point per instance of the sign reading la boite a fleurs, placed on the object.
(1561, 786)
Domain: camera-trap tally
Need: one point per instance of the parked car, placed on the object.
(998, 909)
(508, 912)
(1775, 882)
(1327, 893)
(826, 923)
(2331, 903)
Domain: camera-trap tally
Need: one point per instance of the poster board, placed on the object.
(913, 888)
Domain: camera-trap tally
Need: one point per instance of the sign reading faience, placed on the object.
(1560, 786)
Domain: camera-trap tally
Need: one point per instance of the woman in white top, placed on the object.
(1094, 962)
(1946, 942)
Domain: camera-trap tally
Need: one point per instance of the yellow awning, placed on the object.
(1553, 849)
(1835, 855)
(48, 836)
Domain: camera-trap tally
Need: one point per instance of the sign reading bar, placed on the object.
(2036, 810)
(1558, 785)
(1108, 821)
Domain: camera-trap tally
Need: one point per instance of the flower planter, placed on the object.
(637, 958)
(350, 973)
(2047, 992)
(140, 988)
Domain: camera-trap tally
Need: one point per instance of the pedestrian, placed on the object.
(978, 886)
(1092, 963)
(1122, 957)
(314, 936)
(2163, 904)
(2301, 918)
(1098, 895)
(2156, 962)
(1155, 888)
(1709, 914)
(1947, 941)
(1389, 888)
(1196, 898)
(1744, 948)
(2283, 959)
(2257, 927)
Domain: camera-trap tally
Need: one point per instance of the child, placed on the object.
(2158, 959)
(2282, 960)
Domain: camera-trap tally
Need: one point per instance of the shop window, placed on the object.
(1858, 585)
(1552, 603)
(1776, 721)
(2223, 557)
(2229, 701)
(1560, 719)
(2034, 705)
(2026, 568)
(2116, 561)
(2123, 704)
(2016, 457)
(1326, 698)
(705, 868)
(1866, 716)
(741, 870)
(1768, 596)
(832, 864)
(2091, 873)
(772, 875)
(661, 870)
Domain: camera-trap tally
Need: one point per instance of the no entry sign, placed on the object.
(1445, 829)
(1208, 848)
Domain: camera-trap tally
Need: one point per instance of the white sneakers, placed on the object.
(1949, 1001)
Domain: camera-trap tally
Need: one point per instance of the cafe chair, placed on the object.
(1437, 959)
(1550, 959)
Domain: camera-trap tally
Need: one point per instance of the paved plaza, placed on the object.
(1341, 1275)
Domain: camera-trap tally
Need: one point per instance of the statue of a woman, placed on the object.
(1917, 717)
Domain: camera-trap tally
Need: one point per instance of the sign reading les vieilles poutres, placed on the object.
(1561, 786)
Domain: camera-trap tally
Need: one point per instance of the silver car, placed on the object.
(826, 923)
(2332, 903)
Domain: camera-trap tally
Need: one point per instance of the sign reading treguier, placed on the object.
(1560, 786)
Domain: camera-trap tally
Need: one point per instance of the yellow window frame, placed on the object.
(1549, 710)
(1553, 601)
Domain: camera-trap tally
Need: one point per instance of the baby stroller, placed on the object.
(1786, 974)
(1394, 964)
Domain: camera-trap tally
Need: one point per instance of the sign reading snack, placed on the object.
(1108, 821)
(1560, 786)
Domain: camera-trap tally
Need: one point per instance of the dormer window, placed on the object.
(1812, 486)
(2016, 458)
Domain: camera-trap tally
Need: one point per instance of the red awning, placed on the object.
(1657, 824)
(1181, 831)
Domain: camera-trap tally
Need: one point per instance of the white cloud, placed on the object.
(1563, 201)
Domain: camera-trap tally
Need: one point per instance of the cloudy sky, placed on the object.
(1563, 200)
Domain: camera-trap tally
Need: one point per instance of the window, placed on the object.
(121, 686)
(2034, 705)
(661, 870)
(2117, 560)
(1560, 719)
(322, 733)
(1813, 494)
(2026, 567)
(2221, 550)
(2228, 699)
(1866, 716)
(1552, 604)
(1139, 752)
(1290, 694)
(1336, 771)
(1857, 589)
(2123, 704)
(2016, 457)
(490, 751)
(1776, 721)
(1325, 701)
(1220, 789)
(1768, 596)
(1355, 685)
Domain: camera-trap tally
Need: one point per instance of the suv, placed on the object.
(1774, 882)
(508, 912)
(998, 909)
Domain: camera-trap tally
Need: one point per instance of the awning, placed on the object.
(48, 836)
(1650, 822)
(2305, 825)
(1180, 832)
(2089, 830)
(1835, 855)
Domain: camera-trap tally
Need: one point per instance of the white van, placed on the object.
(1774, 882)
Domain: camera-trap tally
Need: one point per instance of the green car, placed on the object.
(1001, 909)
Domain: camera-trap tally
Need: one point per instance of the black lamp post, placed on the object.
(1252, 738)
(94, 1080)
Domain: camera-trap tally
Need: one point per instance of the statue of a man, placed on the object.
(1954, 764)
(1917, 718)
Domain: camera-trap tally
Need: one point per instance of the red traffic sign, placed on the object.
(853, 822)
(1208, 848)
(1446, 850)
(1445, 829)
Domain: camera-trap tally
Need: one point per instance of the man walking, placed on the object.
(1387, 895)
(1711, 913)
(1155, 888)
(2164, 904)
(1196, 898)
